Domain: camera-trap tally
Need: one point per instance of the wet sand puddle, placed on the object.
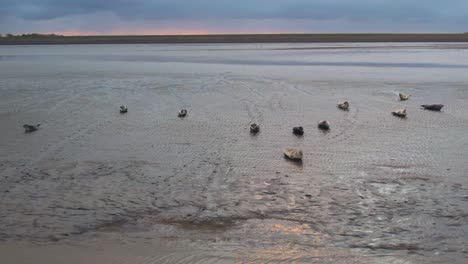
(374, 189)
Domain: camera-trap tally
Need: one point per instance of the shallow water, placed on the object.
(375, 188)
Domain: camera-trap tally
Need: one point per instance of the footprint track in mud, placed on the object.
(175, 258)
(203, 170)
(49, 124)
(343, 133)
(252, 90)
(253, 113)
(49, 96)
(54, 149)
(250, 106)
(296, 87)
(347, 130)
(276, 102)
(215, 81)
(45, 98)
(171, 89)
(255, 107)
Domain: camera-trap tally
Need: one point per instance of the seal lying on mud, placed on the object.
(344, 106)
(324, 125)
(123, 109)
(433, 107)
(182, 113)
(30, 128)
(298, 130)
(254, 128)
(403, 97)
(293, 154)
(399, 113)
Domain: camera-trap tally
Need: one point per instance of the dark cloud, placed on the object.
(400, 12)
(252, 9)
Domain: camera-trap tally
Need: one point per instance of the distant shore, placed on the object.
(244, 38)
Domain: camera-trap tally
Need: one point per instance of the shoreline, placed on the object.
(238, 38)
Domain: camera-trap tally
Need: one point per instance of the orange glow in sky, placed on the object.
(153, 32)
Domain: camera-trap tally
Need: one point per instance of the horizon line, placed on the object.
(63, 34)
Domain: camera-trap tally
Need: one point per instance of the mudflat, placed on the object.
(93, 185)
(233, 38)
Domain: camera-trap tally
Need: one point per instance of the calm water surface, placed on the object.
(149, 187)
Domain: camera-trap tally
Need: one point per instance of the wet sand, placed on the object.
(147, 187)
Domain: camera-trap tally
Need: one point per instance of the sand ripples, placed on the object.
(373, 183)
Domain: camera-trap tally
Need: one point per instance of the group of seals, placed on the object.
(182, 113)
(289, 153)
(297, 154)
(402, 112)
(122, 109)
(297, 130)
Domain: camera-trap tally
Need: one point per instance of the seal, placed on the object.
(324, 125)
(400, 113)
(30, 128)
(254, 128)
(298, 130)
(293, 154)
(403, 97)
(344, 105)
(123, 109)
(433, 107)
(182, 113)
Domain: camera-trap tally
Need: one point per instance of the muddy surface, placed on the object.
(149, 187)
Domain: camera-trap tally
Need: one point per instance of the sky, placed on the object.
(118, 17)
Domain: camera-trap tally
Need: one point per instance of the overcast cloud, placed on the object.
(232, 16)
